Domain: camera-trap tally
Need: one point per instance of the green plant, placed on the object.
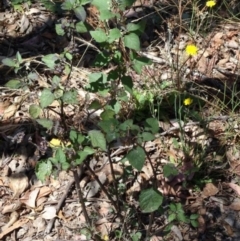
(176, 213)
(117, 42)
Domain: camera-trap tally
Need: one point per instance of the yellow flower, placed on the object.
(58, 143)
(188, 101)
(191, 49)
(105, 237)
(210, 4)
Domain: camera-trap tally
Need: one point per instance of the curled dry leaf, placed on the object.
(12, 207)
(201, 224)
(16, 225)
(13, 218)
(3, 106)
(49, 212)
(209, 190)
(24, 23)
(177, 232)
(40, 224)
(235, 205)
(10, 111)
(156, 238)
(29, 198)
(18, 183)
(44, 191)
(235, 187)
(92, 188)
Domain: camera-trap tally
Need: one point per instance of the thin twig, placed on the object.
(80, 196)
(151, 216)
(113, 175)
(102, 187)
(60, 203)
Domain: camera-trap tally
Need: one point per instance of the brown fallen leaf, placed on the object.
(12, 207)
(235, 187)
(49, 212)
(16, 225)
(13, 218)
(235, 205)
(29, 198)
(10, 111)
(3, 106)
(209, 190)
(18, 183)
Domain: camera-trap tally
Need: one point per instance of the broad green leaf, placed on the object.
(107, 114)
(47, 98)
(110, 127)
(34, 111)
(70, 97)
(99, 35)
(49, 60)
(87, 151)
(125, 3)
(58, 93)
(43, 170)
(97, 139)
(168, 228)
(194, 216)
(182, 218)
(127, 83)
(76, 137)
(80, 13)
(65, 165)
(113, 35)
(132, 41)
(68, 4)
(146, 136)
(150, 200)
(83, 2)
(172, 217)
(95, 105)
(106, 14)
(117, 107)
(13, 84)
(152, 125)
(136, 157)
(128, 125)
(179, 207)
(102, 59)
(94, 77)
(194, 223)
(53, 6)
(55, 81)
(67, 70)
(59, 30)
(169, 170)
(32, 76)
(19, 57)
(81, 27)
(136, 236)
(53, 160)
(173, 207)
(131, 27)
(46, 123)
(117, 55)
(60, 155)
(139, 63)
(138, 28)
(9, 62)
(102, 5)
